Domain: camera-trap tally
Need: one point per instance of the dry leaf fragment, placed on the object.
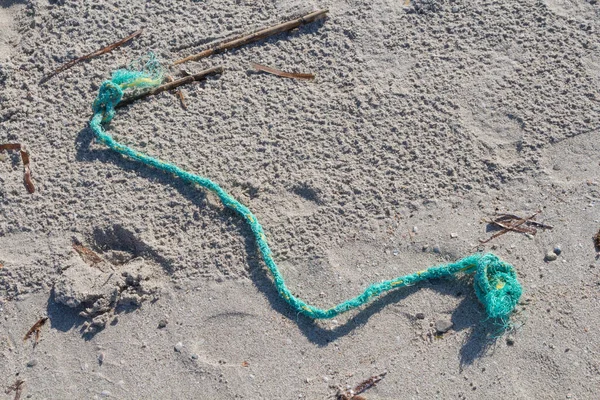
(36, 329)
(277, 72)
(86, 254)
(26, 167)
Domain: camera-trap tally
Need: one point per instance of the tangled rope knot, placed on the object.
(495, 281)
(496, 286)
(109, 95)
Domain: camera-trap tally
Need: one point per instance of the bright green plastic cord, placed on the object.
(495, 281)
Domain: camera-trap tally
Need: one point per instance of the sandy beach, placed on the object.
(426, 120)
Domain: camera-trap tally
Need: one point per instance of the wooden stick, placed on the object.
(253, 37)
(293, 75)
(96, 53)
(178, 92)
(515, 225)
(509, 217)
(520, 229)
(172, 85)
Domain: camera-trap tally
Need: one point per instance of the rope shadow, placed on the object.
(469, 314)
(466, 316)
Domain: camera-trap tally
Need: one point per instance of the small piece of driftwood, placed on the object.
(513, 225)
(273, 71)
(258, 35)
(172, 85)
(96, 53)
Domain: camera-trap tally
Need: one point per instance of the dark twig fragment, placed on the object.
(597, 241)
(179, 93)
(520, 229)
(511, 217)
(277, 72)
(37, 330)
(26, 166)
(353, 394)
(258, 35)
(508, 223)
(96, 53)
(172, 85)
(16, 387)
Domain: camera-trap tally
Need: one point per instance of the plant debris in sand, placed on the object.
(26, 166)
(36, 330)
(256, 36)
(89, 56)
(273, 71)
(86, 254)
(510, 222)
(16, 387)
(354, 394)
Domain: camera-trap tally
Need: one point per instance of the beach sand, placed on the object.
(423, 120)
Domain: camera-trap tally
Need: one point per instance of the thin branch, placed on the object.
(372, 381)
(172, 85)
(16, 387)
(179, 93)
(353, 394)
(96, 53)
(510, 217)
(253, 37)
(284, 74)
(520, 229)
(512, 226)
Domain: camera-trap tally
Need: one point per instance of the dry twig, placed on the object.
(37, 330)
(16, 387)
(277, 72)
(353, 394)
(25, 158)
(172, 85)
(96, 53)
(511, 217)
(514, 224)
(253, 37)
(178, 92)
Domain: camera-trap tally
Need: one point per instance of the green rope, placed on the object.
(495, 281)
